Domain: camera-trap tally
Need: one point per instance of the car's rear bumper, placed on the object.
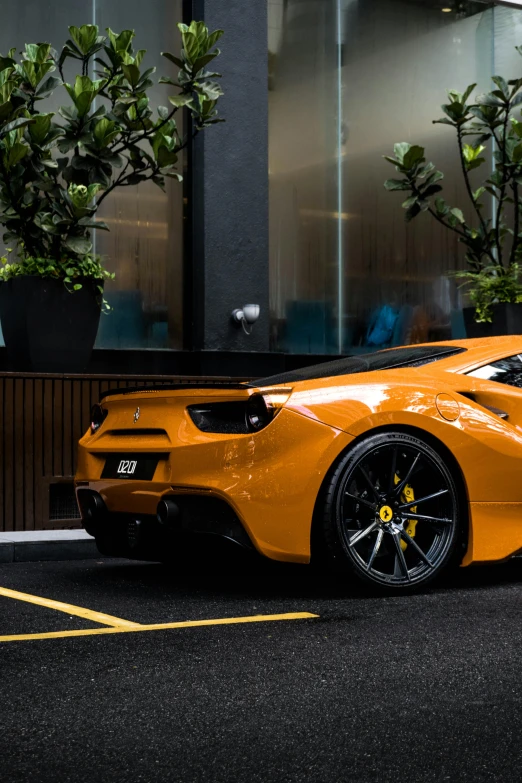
(269, 480)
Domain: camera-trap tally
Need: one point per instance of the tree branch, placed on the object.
(115, 184)
(502, 196)
(470, 191)
(516, 207)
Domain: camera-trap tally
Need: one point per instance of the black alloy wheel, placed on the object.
(392, 511)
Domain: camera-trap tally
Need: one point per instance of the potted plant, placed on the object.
(56, 171)
(493, 242)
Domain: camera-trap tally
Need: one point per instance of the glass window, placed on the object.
(507, 371)
(144, 246)
(347, 79)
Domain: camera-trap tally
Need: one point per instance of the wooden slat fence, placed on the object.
(42, 417)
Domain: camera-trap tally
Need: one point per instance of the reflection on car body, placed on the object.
(392, 465)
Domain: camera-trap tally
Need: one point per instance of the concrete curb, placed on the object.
(34, 545)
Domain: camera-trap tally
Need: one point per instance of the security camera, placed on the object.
(247, 315)
(251, 313)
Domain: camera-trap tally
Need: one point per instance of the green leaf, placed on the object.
(457, 213)
(16, 153)
(39, 129)
(79, 245)
(132, 74)
(121, 42)
(214, 37)
(502, 86)
(475, 164)
(441, 207)
(409, 202)
(47, 87)
(489, 99)
(21, 122)
(468, 92)
(166, 157)
(202, 62)
(401, 150)
(426, 170)
(85, 37)
(211, 90)
(437, 176)
(471, 153)
(413, 211)
(181, 100)
(478, 193)
(173, 59)
(413, 156)
(397, 184)
(431, 190)
(105, 131)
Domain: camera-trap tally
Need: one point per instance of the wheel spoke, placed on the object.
(362, 534)
(400, 560)
(422, 500)
(411, 541)
(400, 486)
(439, 520)
(368, 481)
(373, 506)
(377, 546)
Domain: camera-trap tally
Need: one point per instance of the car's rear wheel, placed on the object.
(392, 512)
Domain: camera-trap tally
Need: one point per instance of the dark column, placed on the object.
(230, 184)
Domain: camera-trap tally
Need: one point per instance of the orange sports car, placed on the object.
(392, 465)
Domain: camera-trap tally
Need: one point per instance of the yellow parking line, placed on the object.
(78, 611)
(260, 618)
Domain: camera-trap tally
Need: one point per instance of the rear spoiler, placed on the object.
(178, 387)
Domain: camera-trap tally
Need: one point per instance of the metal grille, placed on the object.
(62, 502)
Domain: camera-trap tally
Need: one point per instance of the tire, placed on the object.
(391, 513)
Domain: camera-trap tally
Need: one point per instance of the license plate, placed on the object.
(131, 466)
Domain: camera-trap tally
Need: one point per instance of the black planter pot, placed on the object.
(46, 328)
(507, 319)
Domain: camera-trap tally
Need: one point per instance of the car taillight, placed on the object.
(241, 417)
(263, 406)
(98, 416)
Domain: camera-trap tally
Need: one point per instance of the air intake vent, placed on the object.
(137, 432)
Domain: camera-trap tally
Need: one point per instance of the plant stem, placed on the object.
(470, 192)
(502, 196)
(146, 134)
(516, 207)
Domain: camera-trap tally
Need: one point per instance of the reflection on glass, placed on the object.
(347, 79)
(144, 246)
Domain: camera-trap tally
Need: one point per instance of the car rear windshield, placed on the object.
(412, 356)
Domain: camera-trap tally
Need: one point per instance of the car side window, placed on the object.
(507, 371)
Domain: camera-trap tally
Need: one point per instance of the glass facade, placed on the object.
(144, 246)
(347, 79)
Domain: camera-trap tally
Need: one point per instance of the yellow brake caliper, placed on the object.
(408, 496)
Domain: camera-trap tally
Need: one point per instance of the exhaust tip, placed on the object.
(92, 509)
(168, 511)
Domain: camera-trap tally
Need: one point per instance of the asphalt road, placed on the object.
(423, 688)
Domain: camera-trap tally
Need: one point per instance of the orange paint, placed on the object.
(272, 478)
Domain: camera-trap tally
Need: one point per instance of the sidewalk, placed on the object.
(33, 545)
